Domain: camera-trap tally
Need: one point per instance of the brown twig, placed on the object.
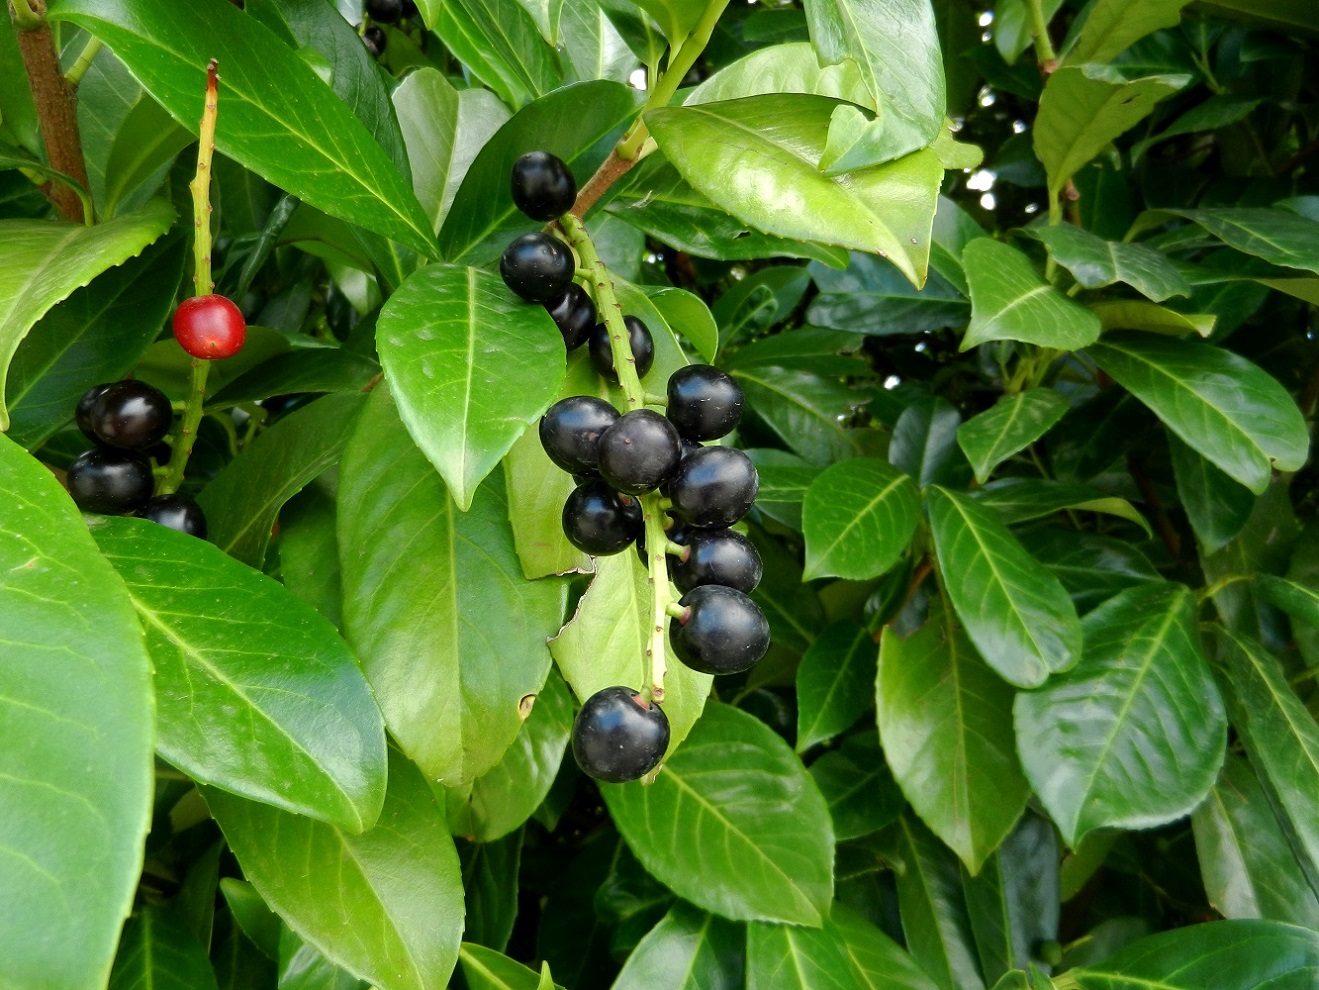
(57, 109)
(611, 170)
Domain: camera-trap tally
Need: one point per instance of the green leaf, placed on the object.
(1298, 600)
(896, 47)
(1229, 410)
(787, 68)
(498, 41)
(655, 199)
(804, 409)
(444, 129)
(1084, 107)
(858, 517)
(757, 157)
(470, 365)
(1249, 870)
(507, 794)
(858, 787)
(594, 47)
(253, 916)
(1020, 618)
(304, 967)
(878, 963)
(1096, 263)
(44, 262)
(486, 969)
(784, 957)
(95, 335)
(386, 905)
(277, 118)
(794, 610)
(1216, 506)
(578, 123)
(1280, 237)
(1013, 29)
(1136, 314)
(1281, 738)
(733, 824)
(688, 950)
(1012, 424)
(688, 315)
(1013, 903)
(1222, 955)
(1009, 301)
(450, 635)
(833, 682)
(606, 643)
(242, 501)
(1091, 567)
(1134, 735)
(536, 516)
(1017, 500)
(256, 693)
(1111, 26)
(158, 952)
(306, 369)
(924, 443)
(75, 760)
(490, 888)
(870, 296)
(945, 724)
(932, 905)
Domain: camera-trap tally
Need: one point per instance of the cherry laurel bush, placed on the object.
(129, 420)
(619, 735)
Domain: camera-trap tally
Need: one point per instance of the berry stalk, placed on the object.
(202, 283)
(652, 504)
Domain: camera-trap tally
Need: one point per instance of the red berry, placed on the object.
(209, 327)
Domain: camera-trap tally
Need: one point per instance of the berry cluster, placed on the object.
(617, 459)
(127, 420)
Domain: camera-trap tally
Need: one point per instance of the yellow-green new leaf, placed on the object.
(1010, 301)
(1112, 26)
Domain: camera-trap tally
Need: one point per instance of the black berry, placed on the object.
(570, 432)
(639, 452)
(543, 186)
(384, 11)
(617, 736)
(713, 487)
(110, 481)
(722, 632)
(600, 521)
(374, 39)
(83, 413)
(176, 512)
(717, 556)
(704, 403)
(602, 355)
(574, 314)
(130, 414)
(537, 267)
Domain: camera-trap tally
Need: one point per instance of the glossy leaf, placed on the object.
(858, 787)
(536, 517)
(1016, 500)
(795, 612)
(279, 119)
(505, 796)
(157, 951)
(924, 443)
(1216, 506)
(1222, 955)
(733, 824)
(1298, 600)
(788, 68)
(1281, 738)
(242, 501)
(490, 888)
(470, 365)
(804, 409)
(870, 296)
(1019, 618)
(785, 957)
(833, 682)
(1229, 410)
(256, 693)
(1136, 314)
(1278, 236)
(578, 123)
(945, 725)
(450, 635)
(45, 261)
(757, 157)
(306, 369)
(1134, 735)
(896, 48)
(396, 888)
(1096, 263)
(688, 950)
(1009, 301)
(499, 42)
(75, 764)
(1084, 107)
(1249, 869)
(933, 909)
(1112, 25)
(1012, 424)
(1091, 567)
(486, 969)
(444, 129)
(95, 335)
(858, 517)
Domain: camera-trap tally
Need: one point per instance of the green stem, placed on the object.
(84, 61)
(202, 284)
(1207, 593)
(25, 17)
(1044, 51)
